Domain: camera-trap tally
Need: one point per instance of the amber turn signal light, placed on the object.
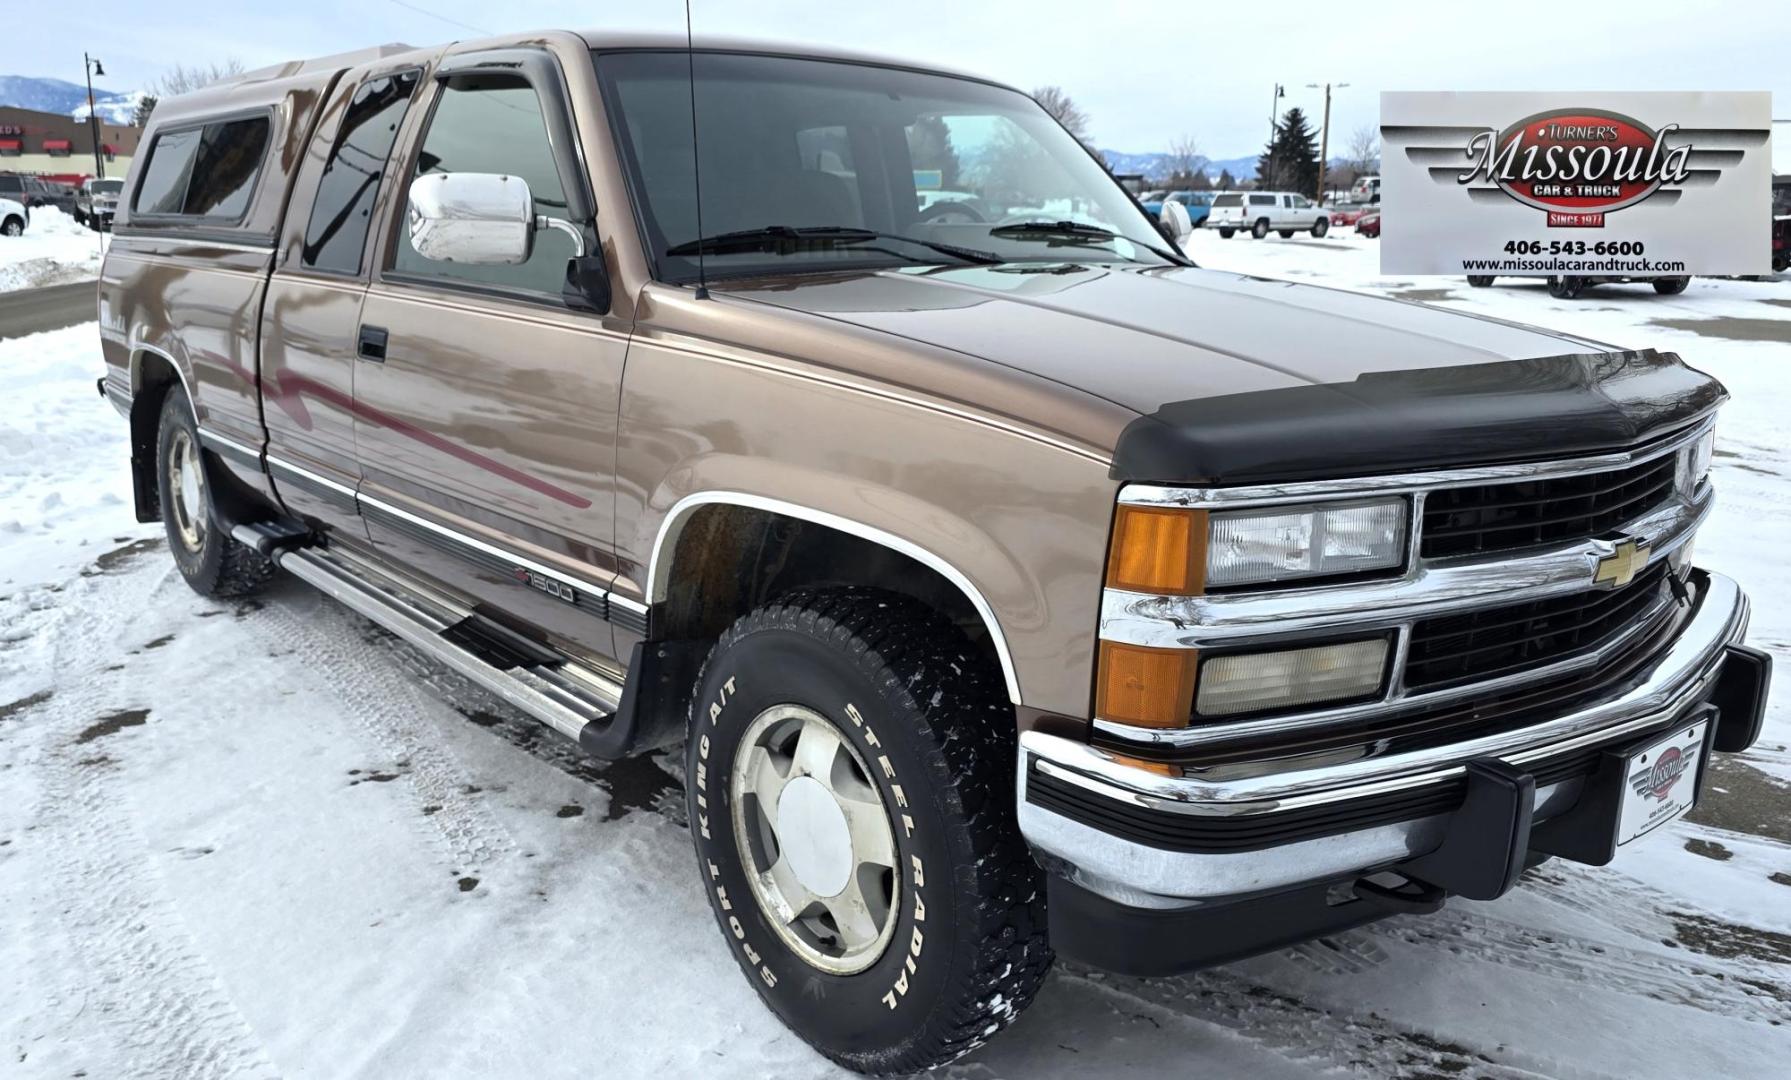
(1145, 686)
(1158, 550)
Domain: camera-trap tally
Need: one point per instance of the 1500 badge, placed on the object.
(543, 583)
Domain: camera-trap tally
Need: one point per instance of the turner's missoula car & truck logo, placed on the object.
(1578, 164)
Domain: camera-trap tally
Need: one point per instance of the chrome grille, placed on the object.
(1504, 517)
(1490, 642)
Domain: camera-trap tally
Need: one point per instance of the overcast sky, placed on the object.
(1145, 72)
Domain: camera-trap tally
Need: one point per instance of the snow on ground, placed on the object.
(263, 838)
(54, 250)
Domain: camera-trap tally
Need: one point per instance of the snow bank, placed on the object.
(54, 250)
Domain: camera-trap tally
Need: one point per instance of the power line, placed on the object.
(442, 18)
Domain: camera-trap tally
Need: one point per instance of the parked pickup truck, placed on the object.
(96, 202)
(1259, 212)
(1013, 586)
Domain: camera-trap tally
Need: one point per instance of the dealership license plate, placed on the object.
(1661, 782)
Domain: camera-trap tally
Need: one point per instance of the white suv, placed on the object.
(14, 216)
(1257, 212)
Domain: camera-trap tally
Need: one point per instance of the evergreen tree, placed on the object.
(145, 106)
(929, 147)
(1227, 182)
(1290, 161)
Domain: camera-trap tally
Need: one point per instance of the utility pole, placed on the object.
(1324, 139)
(91, 67)
(1274, 117)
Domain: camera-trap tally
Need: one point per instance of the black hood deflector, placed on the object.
(1425, 418)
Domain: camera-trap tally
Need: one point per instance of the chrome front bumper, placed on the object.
(1141, 875)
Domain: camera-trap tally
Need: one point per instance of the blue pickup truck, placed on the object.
(1198, 203)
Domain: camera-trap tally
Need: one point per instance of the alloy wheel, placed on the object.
(816, 838)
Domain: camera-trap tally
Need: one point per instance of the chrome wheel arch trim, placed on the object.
(672, 526)
(137, 349)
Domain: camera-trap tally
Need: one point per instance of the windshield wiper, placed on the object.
(787, 239)
(1074, 232)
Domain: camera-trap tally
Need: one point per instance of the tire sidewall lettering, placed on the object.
(900, 969)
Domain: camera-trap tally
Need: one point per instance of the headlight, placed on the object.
(1181, 552)
(1252, 546)
(1694, 463)
(1253, 682)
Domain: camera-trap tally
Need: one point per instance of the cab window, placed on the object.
(342, 211)
(493, 124)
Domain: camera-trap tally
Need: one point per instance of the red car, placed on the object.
(1349, 215)
(1369, 224)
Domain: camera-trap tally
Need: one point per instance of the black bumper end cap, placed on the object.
(1488, 839)
(1740, 698)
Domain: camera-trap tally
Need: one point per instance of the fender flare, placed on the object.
(672, 525)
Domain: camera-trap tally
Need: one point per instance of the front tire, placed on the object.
(211, 561)
(1672, 286)
(1226, 234)
(1320, 228)
(13, 226)
(851, 762)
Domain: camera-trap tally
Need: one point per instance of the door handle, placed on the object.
(373, 344)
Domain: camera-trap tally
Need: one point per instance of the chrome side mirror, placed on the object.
(1175, 216)
(481, 218)
(472, 218)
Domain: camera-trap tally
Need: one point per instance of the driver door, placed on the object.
(486, 400)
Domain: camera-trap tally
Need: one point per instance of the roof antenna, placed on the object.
(696, 167)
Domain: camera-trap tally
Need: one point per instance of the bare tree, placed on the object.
(181, 79)
(1184, 160)
(1067, 112)
(1364, 154)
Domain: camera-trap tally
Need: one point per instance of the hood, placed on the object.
(1243, 379)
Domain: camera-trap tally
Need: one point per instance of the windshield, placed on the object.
(106, 187)
(812, 144)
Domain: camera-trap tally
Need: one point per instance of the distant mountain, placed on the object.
(1156, 166)
(67, 98)
(118, 109)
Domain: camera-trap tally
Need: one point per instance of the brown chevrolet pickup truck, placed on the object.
(1016, 587)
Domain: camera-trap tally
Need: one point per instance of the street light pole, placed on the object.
(1324, 139)
(91, 67)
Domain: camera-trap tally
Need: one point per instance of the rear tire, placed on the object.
(1566, 288)
(1672, 286)
(1260, 231)
(211, 561)
(1480, 281)
(940, 937)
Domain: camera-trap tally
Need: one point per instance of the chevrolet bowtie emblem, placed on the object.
(1619, 568)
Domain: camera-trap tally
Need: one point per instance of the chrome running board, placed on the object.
(561, 692)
